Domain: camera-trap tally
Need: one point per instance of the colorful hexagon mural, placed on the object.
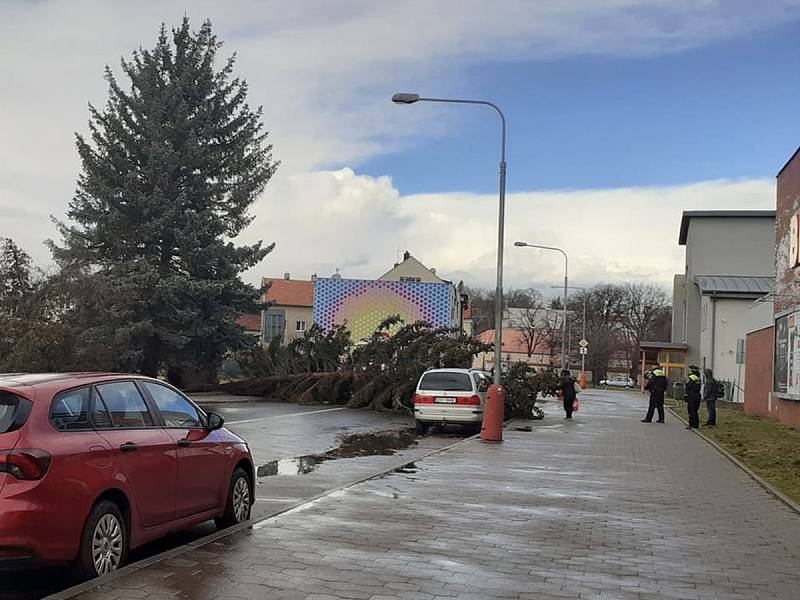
(363, 304)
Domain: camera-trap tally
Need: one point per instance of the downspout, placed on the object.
(713, 328)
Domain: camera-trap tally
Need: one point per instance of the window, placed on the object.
(124, 404)
(481, 382)
(14, 412)
(445, 381)
(411, 279)
(300, 326)
(176, 410)
(275, 325)
(70, 410)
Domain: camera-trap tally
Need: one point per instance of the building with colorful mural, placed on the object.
(362, 304)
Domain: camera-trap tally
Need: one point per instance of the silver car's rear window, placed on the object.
(445, 381)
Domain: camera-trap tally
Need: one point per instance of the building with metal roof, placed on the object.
(729, 265)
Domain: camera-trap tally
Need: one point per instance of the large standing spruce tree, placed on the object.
(174, 162)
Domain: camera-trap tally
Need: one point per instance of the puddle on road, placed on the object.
(289, 466)
(354, 445)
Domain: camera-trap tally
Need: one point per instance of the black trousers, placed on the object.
(712, 412)
(568, 407)
(694, 412)
(656, 404)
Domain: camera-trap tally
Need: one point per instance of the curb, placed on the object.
(779, 495)
(258, 523)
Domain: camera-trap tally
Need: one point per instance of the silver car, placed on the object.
(618, 382)
(454, 396)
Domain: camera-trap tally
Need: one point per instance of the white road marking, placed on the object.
(300, 414)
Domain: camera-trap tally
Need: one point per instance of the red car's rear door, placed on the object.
(144, 454)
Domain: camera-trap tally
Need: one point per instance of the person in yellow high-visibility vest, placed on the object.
(657, 386)
(693, 388)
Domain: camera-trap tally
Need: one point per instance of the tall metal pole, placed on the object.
(498, 294)
(564, 324)
(404, 98)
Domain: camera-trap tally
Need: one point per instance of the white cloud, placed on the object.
(337, 219)
(324, 72)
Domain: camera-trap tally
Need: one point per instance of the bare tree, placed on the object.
(647, 315)
(531, 321)
(604, 330)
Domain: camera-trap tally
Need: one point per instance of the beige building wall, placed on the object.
(291, 315)
(411, 270)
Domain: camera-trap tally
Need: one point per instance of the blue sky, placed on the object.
(724, 111)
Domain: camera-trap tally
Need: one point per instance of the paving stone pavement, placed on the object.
(600, 508)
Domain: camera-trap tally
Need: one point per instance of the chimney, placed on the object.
(433, 270)
(286, 276)
(313, 278)
(406, 255)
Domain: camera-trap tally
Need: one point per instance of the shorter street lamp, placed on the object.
(583, 326)
(566, 285)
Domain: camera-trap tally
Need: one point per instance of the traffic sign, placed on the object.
(583, 343)
(584, 350)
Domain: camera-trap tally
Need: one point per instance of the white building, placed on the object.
(729, 265)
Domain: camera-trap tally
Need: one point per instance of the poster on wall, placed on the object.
(787, 355)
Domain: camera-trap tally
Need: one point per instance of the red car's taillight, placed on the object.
(25, 464)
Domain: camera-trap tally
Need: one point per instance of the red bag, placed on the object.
(576, 406)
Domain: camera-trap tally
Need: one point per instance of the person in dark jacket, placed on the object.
(656, 386)
(693, 397)
(566, 384)
(709, 395)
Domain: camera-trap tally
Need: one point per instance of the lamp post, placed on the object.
(583, 322)
(566, 285)
(498, 302)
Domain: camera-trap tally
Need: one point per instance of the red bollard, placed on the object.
(583, 380)
(492, 428)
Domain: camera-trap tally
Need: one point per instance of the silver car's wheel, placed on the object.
(241, 499)
(107, 544)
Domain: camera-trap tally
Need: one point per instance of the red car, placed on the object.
(93, 465)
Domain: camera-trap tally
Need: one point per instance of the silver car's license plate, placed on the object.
(444, 400)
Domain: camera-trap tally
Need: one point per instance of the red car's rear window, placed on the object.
(14, 412)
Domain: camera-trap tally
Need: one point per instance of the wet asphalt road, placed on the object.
(274, 431)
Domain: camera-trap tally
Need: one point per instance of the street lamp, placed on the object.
(404, 98)
(566, 285)
(583, 322)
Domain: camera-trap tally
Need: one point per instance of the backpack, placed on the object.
(719, 390)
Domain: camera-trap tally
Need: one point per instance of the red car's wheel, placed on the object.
(240, 500)
(104, 542)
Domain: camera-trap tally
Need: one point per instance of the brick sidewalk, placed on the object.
(600, 508)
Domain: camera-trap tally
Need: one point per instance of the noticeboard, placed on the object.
(786, 372)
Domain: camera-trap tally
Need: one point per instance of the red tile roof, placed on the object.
(289, 292)
(514, 342)
(250, 322)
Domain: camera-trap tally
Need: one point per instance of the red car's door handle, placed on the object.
(129, 447)
(183, 443)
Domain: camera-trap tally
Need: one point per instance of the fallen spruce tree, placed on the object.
(380, 372)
